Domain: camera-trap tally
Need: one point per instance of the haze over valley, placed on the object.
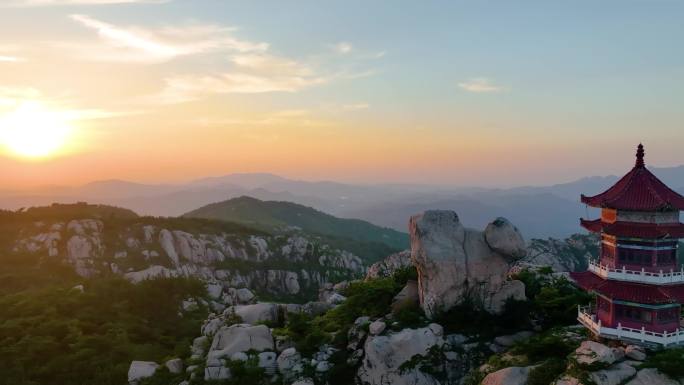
(556, 207)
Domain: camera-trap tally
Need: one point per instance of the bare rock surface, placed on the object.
(591, 352)
(229, 340)
(385, 354)
(389, 265)
(454, 263)
(140, 370)
(650, 376)
(613, 375)
(514, 375)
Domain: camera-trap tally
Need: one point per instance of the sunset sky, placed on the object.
(489, 93)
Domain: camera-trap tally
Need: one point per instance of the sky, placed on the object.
(469, 93)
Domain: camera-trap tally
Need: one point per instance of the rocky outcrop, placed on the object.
(259, 312)
(591, 352)
(651, 376)
(455, 263)
(239, 338)
(407, 297)
(570, 254)
(508, 376)
(613, 375)
(389, 265)
(385, 354)
(140, 370)
(146, 251)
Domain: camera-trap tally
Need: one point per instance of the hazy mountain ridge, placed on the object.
(556, 208)
(279, 214)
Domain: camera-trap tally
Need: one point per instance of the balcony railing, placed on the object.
(641, 276)
(589, 320)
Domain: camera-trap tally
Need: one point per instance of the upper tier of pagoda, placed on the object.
(638, 190)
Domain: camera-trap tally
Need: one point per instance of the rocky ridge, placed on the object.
(285, 264)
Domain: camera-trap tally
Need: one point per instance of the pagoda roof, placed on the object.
(638, 190)
(629, 291)
(635, 229)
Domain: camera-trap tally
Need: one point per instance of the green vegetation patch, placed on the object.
(52, 334)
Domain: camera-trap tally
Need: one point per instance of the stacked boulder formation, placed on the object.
(455, 264)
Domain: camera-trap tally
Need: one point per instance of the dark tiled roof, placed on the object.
(639, 190)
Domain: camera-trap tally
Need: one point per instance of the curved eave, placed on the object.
(638, 190)
(635, 230)
(626, 291)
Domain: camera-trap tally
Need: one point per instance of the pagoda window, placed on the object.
(668, 315)
(667, 256)
(632, 313)
(635, 256)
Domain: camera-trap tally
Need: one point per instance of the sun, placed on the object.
(34, 131)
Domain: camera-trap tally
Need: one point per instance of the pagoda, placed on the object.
(638, 283)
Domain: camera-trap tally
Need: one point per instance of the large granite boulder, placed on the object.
(651, 376)
(455, 263)
(259, 312)
(614, 375)
(591, 352)
(385, 354)
(515, 375)
(140, 370)
(505, 238)
(239, 338)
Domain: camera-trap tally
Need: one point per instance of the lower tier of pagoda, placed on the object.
(635, 229)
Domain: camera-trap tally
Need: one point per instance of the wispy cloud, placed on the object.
(343, 47)
(10, 59)
(480, 85)
(46, 3)
(295, 117)
(356, 107)
(139, 44)
(251, 74)
(10, 96)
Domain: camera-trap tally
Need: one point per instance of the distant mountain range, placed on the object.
(539, 211)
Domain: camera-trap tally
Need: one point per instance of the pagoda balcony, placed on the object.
(587, 318)
(639, 276)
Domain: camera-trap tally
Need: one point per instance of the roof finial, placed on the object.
(640, 156)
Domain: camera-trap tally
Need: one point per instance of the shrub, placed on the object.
(670, 362)
(547, 372)
(544, 346)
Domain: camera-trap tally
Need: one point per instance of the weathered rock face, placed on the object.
(385, 354)
(239, 338)
(140, 370)
(570, 254)
(614, 375)
(509, 376)
(651, 377)
(591, 352)
(455, 263)
(389, 265)
(145, 251)
(407, 297)
(504, 238)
